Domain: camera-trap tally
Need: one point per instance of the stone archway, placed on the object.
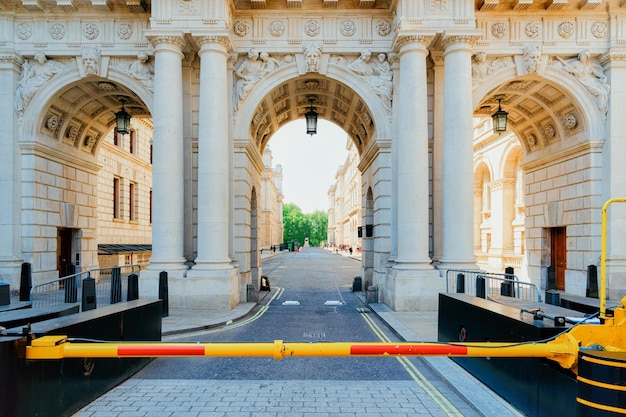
(341, 97)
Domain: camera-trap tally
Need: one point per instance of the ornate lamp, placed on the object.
(500, 118)
(122, 120)
(311, 118)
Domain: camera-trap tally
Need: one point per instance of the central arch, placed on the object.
(341, 97)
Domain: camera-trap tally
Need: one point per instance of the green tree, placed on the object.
(319, 227)
(297, 226)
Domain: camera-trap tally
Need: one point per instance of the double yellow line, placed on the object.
(277, 294)
(417, 376)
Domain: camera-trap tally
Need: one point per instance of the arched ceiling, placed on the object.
(334, 101)
(81, 115)
(540, 113)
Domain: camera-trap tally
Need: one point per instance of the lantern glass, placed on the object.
(311, 122)
(500, 119)
(122, 121)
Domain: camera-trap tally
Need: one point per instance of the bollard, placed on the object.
(71, 289)
(480, 287)
(164, 293)
(133, 287)
(372, 295)
(265, 283)
(26, 282)
(116, 285)
(5, 294)
(551, 278)
(553, 298)
(509, 273)
(89, 294)
(592, 281)
(506, 289)
(460, 283)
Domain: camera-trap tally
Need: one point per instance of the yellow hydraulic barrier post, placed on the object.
(605, 209)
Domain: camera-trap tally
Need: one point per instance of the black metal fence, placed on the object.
(483, 284)
(93, 288)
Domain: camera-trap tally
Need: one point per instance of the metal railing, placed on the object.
(482, 284)
(111, 287)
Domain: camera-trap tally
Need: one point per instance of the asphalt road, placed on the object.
(311, 301)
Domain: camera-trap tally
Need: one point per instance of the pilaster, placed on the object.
(10, 178)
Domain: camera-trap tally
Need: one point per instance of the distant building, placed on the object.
(345, 202)
(271, 210)
(124, 232)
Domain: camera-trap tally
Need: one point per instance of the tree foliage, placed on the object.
(297, 226)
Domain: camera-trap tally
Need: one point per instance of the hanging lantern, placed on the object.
(311, 119)
(122, 120)
(499, 118)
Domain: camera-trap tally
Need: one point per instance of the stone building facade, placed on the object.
(404, 79)
(345, 202)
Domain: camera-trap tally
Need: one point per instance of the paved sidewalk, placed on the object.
(412, 326)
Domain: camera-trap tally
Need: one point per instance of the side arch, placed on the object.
(554, 93)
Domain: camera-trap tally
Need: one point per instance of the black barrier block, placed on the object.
(53, 388)
(26, 282)
(357, 284)
(89, 294)
(460, 283)
(164, 293)
(133, 287)
(536, 387)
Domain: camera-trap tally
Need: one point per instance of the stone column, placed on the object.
(614, 175)
(214, 283)
(167, 168)
(457, 175)
(213, 157)
(412, 156)
(413, 284)
(10, 175)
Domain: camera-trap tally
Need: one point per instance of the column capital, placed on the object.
(167, 41)
(404, 43)
(213, 42)
(461, 40)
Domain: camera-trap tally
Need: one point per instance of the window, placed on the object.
(116, 137)
(151, 152)
(132, 203)
(150, 206)
(133, 142)
(116, 198)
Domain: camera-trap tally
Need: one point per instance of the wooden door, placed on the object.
(558, 255)
(64, 250)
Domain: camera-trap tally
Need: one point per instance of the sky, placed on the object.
(309, 162)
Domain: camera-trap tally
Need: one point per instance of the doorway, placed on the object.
(558, 254)
(65, 250)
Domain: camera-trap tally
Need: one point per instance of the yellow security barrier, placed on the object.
(564, 349)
